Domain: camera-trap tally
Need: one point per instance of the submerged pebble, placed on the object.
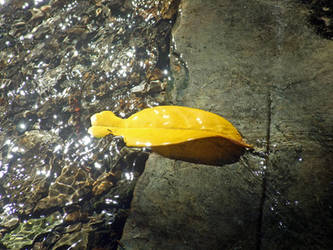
(61, 62)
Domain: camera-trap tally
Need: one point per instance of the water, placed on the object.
(61, 62)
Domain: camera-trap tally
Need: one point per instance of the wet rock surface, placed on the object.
(180, 205)
(266, 67)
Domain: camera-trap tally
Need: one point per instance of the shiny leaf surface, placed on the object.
(176, 132)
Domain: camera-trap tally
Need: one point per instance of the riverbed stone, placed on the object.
(264, 67)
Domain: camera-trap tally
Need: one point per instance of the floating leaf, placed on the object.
(176, 132)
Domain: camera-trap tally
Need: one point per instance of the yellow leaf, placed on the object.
(176, 132)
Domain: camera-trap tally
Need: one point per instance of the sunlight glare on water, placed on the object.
(62, 62)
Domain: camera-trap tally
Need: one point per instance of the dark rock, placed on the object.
(179, 205)
(262, 66)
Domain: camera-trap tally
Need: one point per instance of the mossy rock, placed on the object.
(26, 233)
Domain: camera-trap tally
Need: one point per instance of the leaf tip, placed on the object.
(93, 120)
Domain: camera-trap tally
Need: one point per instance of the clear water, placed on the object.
(61, 62)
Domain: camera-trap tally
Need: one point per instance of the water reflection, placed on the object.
(63, 61)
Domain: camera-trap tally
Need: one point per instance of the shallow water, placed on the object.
(61, 62)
